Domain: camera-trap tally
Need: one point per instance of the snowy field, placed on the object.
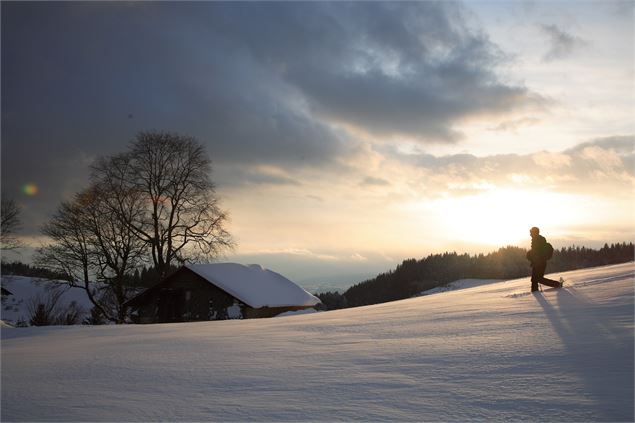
(491, 352)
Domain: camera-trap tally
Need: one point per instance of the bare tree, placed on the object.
(88, 240)
(10, 216)
(116, 250)
(156, 200)
(180, 215)
(69, 253)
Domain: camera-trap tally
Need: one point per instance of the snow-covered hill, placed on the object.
(492, 352)
(459, 284)
(27, 291)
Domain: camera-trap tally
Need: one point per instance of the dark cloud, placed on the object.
(87, 68)
(562, 44)
(392, 68)
(623, 9)
(258, 83)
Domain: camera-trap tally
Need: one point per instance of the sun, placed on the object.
(503, 216)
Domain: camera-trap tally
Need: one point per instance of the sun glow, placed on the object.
(501, 217)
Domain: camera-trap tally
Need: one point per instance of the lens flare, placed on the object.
(30, 189)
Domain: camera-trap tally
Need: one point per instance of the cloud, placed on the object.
(106, 62)
(255, 175)
(605, 159)
(273, 77)
(602, 166)
(344, 268)
(306, 253)
(623, 8)
(278, 92)
(552, 160)
(562, 43)
(315, 198)
(515, 124)
(358, 257)
(624, 145)
(371, 181)
(411, 69)
(300, 252)
(609, 159)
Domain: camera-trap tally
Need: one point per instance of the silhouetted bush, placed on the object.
(46, 309)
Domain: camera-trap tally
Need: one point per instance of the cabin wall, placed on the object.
(185, 297)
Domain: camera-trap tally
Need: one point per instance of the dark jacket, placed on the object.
(538, 252)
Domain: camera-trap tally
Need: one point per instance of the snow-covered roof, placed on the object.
(255, 286)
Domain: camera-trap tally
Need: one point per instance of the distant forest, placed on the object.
(141, 278)
(17, 268)
(415, 276)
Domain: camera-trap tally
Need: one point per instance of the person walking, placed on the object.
(540, 252)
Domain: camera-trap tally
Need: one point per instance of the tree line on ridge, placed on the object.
(413, 276)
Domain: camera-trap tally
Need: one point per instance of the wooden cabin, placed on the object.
(219, 291)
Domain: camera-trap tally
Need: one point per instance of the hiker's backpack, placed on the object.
(548, 251)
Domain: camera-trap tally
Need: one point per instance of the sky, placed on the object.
(345, 136)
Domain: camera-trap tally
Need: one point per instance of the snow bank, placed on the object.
(255, 286)
(473, 354)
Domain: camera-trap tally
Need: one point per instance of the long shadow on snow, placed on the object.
(602, 360)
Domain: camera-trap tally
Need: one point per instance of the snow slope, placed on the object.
(459, 284)
(492, 352)
(25, 289)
